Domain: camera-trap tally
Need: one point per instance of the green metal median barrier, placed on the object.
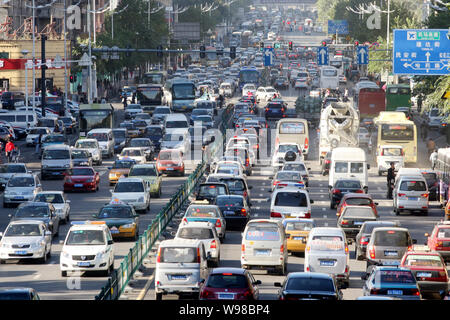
(121, 276)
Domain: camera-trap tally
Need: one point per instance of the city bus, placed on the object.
(398, 95)
(394, 128)
(155, 77)
(180, 94)
(249, 75)
(94, 116)
(442, 168)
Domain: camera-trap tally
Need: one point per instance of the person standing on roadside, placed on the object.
(9, 149)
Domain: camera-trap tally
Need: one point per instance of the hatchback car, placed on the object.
(286, 176)
(410, 193)
(133, 191)
(81, 179)
(121, 219)
(136, 154)
(300, 167)
(21, 187)
(357, 199)
(206, 213)
(352, 218)
(365, 232)
(309, 286)
(297, 232)
(59, 202)
(38, 211)
(342, 187)
(290, 202)
(230, 284)
(170, 162)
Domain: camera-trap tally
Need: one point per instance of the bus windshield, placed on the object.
(92, 119)
(329, 73)
(154, 78)
(249, 76)
(397, 132)
(183, 91)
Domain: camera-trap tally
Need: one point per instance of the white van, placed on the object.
(293, 131)
(56, 160)
(105, 140)
(349, 162)
(264, 245)
(181, 266)
(387, 154)
(175, 122)
(327, 252)
(411, 193)
(407, 172)
(20, 119)
(290, 202)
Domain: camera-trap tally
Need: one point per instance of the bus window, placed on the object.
(397, 132)
(292, 127)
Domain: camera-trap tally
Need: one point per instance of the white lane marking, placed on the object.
(322, 196)
(324, 209)
(37, 276)
(320, 185)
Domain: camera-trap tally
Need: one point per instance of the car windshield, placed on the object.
(299, 225)
(38, 131)
(391, 238)
(21, 182)
(161, 111)
(288, 147)
(262, 232)
(202, 212)
(227, 169)
(32, 212)
(86, 144)
(417, 260)
(13, 168)
(131, 153)
(394, 276)
(119, 134)
(134, 107)
(53, 138)
(204, 118)
(129, 187)
(49, 198)
(80, 154)
(227, 280)
(123, 164)
(115, 212)
(195, 233)
(310, 284)
(288, 176)
(154, 131)
(176, 124)
(291, 199)
(56, 154)
(98, 136)
(198, 112)
(413, 186)
(212, 190)
(295, 167)
(143, 171)
(360, 212)
(173, 137)
(230, 201)
(392, 152)
(143, 116)
(327, 243)
(23, 230)
(85, 238)
(178, 255)
(430, 177)
(140, 143)
(358, 202)
(140, 123)
(443, 233)
(233, 184)
(169, 156)
(81, 172)
(348, 184)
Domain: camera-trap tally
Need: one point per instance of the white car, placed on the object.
(265, 93)
(226, 89)
(280, 152)
(59, 202)
(177, 140)
(132, 110)
(206, 232)
(132, 191)
(136, 154)
(88, 247)
(387, 154)
(229, 167)
(26, 239)
(248, 89)
(93, 147)
(34, 133)
(290, 202)
(21, 187)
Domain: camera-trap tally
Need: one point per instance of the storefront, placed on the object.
(16, 54)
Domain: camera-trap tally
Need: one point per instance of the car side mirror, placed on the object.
(376, 203)
(309, 169)
(110, 242)
(257, 282)
(269, 177)
(277, 284)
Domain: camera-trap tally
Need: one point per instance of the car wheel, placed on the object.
(282, 270)
(397, 211)
(331, 205)
(159, 296)
(5, 205)
(63, 274)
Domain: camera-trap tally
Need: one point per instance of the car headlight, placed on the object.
(112, 175)
(67, 165)
(141, 199)
(84, 163)
(38, 244)
(11, 193)
(128, 226)
(65, 255)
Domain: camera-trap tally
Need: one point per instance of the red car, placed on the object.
(230, 284)
(170, 162)
(81, 179)
(439, 240)
(356, 199)
(430, 271)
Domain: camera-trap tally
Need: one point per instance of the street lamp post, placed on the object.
(24, 54)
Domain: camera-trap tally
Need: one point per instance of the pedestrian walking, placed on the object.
(431, 145)
(38, 144)
(423, 130)
(9, 149)
(433, 158)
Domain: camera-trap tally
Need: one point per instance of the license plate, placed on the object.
(169, 169)
(391, 263)
(228, 213)
(84, 264)
(178, 277)
(424, 274)
(395, 292)
(358, 223)
(298, 238)
(262, 252)
(327, 263)
(114, 231)
(183, 107)
(413, 198)
(22, 252)
(390, 253)
(19, 197)
(55, 173)
(78, 185)
(226, 296)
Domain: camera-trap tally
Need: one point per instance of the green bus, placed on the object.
(398, 95)
(94, 116)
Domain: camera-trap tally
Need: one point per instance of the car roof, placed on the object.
(390, 228)
(57, 147)
(51, 192)
(27, 222)
(357, 195)
(228, 270)
(327, 231)
(23, 174)
(180, 243)
(130, 180)
(197, 224)
(309, 275)
(389, 268)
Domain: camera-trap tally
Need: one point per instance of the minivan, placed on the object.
(290, 202)
(327, 252)
(181, 266)
(20, 119)
(56, 160)
(105, 139)
(175, 122)
(348, 162)
(411, 193)
(264, 245)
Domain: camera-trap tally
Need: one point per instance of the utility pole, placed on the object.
(43, 67)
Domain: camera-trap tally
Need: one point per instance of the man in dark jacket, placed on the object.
(390, 178)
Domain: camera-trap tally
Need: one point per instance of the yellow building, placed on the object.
(12, 64)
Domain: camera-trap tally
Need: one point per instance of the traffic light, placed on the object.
(159, 53)
(71, 79)
(356, 43)
(261, 46)
(290, 46)
(324, 43)
(202, 52)
(233, 52)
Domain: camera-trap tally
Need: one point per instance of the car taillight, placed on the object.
(372, 252)
(346, 251)
(373, 291)
(415, 292)
(245, 194)
(243, 248)
(282, 249)
(275, 215)
(382, 152)
(410, 248)
(402, 194)
(247, 294)
(307, 269)
(267, 109)
(327, 161)
(344, 222)
(308, 215)
(336, 191)
(185, 220)
(213, 245)
(247, 162)
(205, 294)
(198, 255)
(276, 182)
(359, 191)
(218, 223)
(443, 276)
(364, 240)
(425, 195)
(158, 257)
(243, 212)
(306, 143)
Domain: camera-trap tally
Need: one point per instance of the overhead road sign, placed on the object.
(337, 26)
(268, 57)
(322, 56)
(362, 53)
(421, 52)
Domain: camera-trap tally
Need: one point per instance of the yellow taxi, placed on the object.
(120, 169)
(297, 232)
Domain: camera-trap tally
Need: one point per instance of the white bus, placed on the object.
(329, 78)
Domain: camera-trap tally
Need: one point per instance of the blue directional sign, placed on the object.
(268, 57)
(421, 52)
(322, 56)
(362, 53)
(337, 26)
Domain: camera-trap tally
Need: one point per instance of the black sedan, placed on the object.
(235, 210)
(309, 285)
(342, 187)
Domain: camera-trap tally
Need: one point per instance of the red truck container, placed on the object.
(371, 101)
